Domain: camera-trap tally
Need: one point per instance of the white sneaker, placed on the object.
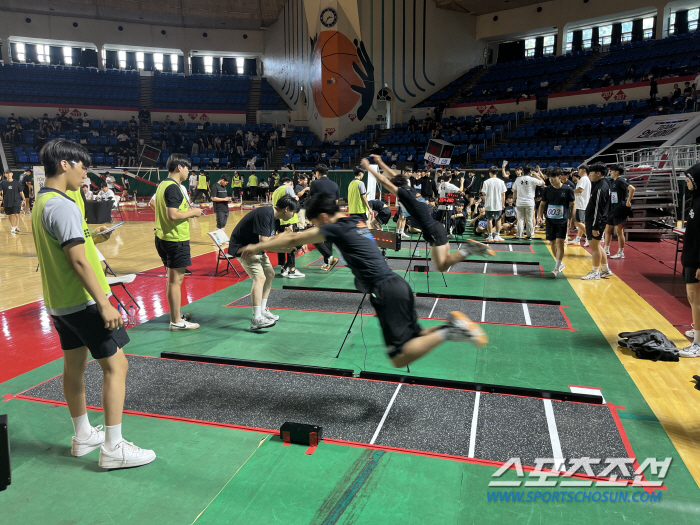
(267, 314)
(606, 273)
(461, 328)
(405, 236)
(607, 252)
(692, 350)
(690, 333)
(498, 238)
(125, 455)
(618, 255)
(585, 244)
(183, 325)
(577, 240)
(80, 447)
(294, 274)
(591, 276)
(476, 248)
(284, 272)
(489, 238)
(261, 322)
(557, 269)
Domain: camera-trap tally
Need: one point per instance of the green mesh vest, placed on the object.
(167, 230)
(355, 202)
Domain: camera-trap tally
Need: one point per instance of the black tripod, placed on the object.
(427, 262)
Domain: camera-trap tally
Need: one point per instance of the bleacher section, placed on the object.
(201, 92)
(451, 89)
(269, 99)
(68, 85)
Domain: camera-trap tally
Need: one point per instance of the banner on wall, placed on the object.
(372, 182)
(39, 178)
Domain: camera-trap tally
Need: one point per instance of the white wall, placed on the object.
(95, 113)
(193, 115)
(496, 107)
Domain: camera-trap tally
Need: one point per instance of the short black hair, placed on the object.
(493, 169)
(321, 168)
(358, 171)
(225, 178)
(583, 167)
(321, 203)
(287, 201)
(617, 167)
(103, 184)
(400, 181)
(528, 168)
(284, 180)
(27, 170)
(57, 150)
(554, 172)
(598, 167)
(177, 159)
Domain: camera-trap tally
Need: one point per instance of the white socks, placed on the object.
(257, 312)
(82, 427)
(264, 304)
(595, 270)
(604, 268)
(113, 436)
(696, 336)
(558, 264)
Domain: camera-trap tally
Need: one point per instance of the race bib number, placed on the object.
(510, 212)
(482, 224)
(555, 211)
(613, 198)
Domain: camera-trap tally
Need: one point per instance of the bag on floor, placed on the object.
(649, 344)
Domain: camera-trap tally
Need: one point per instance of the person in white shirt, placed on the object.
(524, 192)
(110, 181)
(250, 165)
(106, 194)
(494, 191)
(283, 135)
(583, 195)
(86, 191)
(86, 181)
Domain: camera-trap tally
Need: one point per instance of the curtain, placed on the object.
(148, 62)
(595, 37)
(510, 51)
(681, 22)
(216, 65)
(616, 37)
(76, 55)
(181, 63)
(130, 60)
(577, 42)
(197, 65)
(539, 46)
(111, 60)
(250, 66)
(638, 30)
(228, 66)
(56, 55)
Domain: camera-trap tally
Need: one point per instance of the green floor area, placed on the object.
(238, 479)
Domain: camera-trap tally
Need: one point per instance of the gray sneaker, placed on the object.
(606, 273)
(591, 276)
(476, 248)
(261, 322)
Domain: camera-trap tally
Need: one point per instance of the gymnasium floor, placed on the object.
(211, 473)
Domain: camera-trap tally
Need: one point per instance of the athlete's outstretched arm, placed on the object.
(364, 164)
(284, 242)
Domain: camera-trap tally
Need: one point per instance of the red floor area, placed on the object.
(31, 341)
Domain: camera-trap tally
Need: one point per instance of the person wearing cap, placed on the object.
(621, 194)
(596, 218)
(690, 259)
(219, 195)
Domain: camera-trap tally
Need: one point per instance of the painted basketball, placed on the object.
(333, 74)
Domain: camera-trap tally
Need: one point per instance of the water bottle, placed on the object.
(132, 315)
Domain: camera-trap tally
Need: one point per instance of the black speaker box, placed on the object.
(5, 479)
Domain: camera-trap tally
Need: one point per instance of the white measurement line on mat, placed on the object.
(526, 312)
(475, 419)
(515, 269)
(433, 309)
(483, 311)
(553, 435)
(386, 413)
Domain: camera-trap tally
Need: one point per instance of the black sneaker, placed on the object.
(188, 271)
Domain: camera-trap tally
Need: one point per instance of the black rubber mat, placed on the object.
(495, 246)
(497, 312)
(478, 267)
(401, 416)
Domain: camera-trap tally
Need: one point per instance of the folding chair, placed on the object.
(121, 280)
(117, 211)
(220, 238)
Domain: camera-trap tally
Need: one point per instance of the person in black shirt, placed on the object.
(428, 187)
(12, 200)
(419, 212)
(383, 214)
(509, 216)
(596, 219)
(302, 190)
(254, 229)
(621, 195)
(558, 204)
(28, 189)
(459, 219)
(390, 295)
(324, 186)
(219, 195)
(690, 259)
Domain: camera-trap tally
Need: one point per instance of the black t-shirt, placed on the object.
(260, 221)
(11, 197)
(219, 192)
(509, 214)
(376, 205)
(570, 184)
(173, 196)
(558, 202)
(618, 197)
(324, 185)
(359, 249)
(690, 258)
(302, 200)
(427, 187)
(418, 211)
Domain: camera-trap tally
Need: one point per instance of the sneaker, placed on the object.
(261, 322)
(691, 332)
(557, 270)
(607, 251)
(585, 244)
(183, 325)
(606, 273)
(476, 248)
(295, 274)
(125, 455)
(12, 230)
(489, 238)
(618, 255)
(461, 328)
(692, 350)
(284, 272)
(186, 316)
(80, 447)
(591, 276)
(530, 238)
(405, 236)
(325, 267)
(267, 314)
(498, 238)
(188, 272)
(332, 263)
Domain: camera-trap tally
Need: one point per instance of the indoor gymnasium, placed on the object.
(335, 261)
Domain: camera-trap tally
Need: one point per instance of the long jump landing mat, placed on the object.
(444, 418)
(549, 314)
(456, 245)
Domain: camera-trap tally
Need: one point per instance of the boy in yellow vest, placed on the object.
(237, 184)
(173, 234)
(287, 261)
(357, 196)
(76, 296)
(202, 186)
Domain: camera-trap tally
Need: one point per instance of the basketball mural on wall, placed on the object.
(341, 75)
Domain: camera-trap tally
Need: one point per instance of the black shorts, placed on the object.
(555, 231)
(435, 234)
(383, 216)
(589, 232)
(581, 216)
(615, 221)
(689, 275)
(87, 328)
(174, 254)
(12, 210)
(393, 301)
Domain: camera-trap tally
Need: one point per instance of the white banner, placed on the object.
(39, 179)
(372, 183)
